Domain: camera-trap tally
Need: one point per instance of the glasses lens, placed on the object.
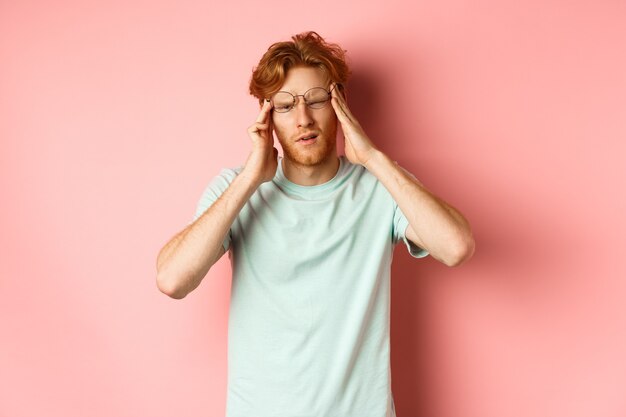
(282, 102)
(316, 97)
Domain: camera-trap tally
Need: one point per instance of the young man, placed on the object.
(310, 237)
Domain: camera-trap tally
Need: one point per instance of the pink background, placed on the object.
(115, 115)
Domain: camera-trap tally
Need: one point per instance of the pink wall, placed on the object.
(115, 115)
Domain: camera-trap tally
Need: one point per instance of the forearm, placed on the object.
(442, 229)
(185, 260)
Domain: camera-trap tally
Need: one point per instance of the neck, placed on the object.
(311, 175)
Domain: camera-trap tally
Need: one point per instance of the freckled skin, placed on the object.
(301, 119)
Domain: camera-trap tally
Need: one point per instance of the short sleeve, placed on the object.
(400, 224)
(211, 193)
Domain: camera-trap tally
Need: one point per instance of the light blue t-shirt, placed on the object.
(308, 329)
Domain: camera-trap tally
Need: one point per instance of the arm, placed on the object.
(185, 260)
(433, 224)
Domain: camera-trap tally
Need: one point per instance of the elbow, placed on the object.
(169, 288)
(464, 251)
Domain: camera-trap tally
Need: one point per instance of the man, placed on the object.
(310, 237)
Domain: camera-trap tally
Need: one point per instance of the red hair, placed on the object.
(306, 49)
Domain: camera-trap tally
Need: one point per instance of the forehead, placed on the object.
(301, 79)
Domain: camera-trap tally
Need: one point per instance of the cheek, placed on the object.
(327, 120)
(330, 122)
(277, 124)
(280, 128)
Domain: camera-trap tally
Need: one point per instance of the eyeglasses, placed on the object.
(315, 98)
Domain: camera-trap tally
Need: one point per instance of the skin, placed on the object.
(315, 163)
(433, 224)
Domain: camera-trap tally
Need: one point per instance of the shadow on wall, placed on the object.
(508, 227)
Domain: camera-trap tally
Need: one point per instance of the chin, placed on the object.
(313, 157)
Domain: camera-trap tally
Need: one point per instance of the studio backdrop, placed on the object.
(115, 115)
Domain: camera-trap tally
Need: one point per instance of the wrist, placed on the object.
(374, 159)
(251, 178)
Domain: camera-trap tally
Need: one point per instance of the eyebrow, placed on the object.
(291, 91)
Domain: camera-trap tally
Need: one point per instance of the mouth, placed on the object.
(308, 138)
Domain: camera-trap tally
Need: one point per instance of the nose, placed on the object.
(303, 113)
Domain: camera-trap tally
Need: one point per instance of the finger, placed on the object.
(340, 111)
(337, 92)
(270, 128)
(264, 111)
(257, 128)
(342, 105)
(338, 98)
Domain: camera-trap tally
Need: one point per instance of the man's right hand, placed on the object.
(185, 260)
(263, 160)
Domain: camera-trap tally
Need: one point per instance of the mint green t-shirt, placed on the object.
(308, 329)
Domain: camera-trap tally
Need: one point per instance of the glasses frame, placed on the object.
(295, 97)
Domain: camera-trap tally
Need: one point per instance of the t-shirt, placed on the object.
(308, 329)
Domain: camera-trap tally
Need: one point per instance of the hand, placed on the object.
(358, 147)
(263, 160)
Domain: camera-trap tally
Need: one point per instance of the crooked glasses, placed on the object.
(315, 98)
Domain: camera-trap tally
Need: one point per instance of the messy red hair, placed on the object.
(306, 49)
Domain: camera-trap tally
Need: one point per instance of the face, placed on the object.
(301, 119)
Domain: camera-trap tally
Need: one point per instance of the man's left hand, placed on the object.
(359, 148)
